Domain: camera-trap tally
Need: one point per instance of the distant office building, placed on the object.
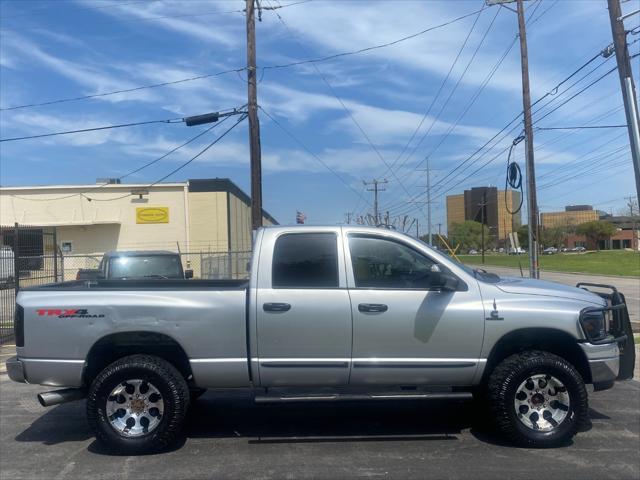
(495, 212)
(572, 216)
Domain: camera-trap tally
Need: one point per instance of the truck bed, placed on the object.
(142, 284)
(206, 318)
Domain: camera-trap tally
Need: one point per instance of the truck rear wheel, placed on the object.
(537, 399)
(138, 404)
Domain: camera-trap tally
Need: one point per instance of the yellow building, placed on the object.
(571, 217)
(455, 210)
(204, 215)
(485, 204)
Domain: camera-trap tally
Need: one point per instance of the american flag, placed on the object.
(300, 217)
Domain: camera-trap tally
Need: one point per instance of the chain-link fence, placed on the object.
(28, 256)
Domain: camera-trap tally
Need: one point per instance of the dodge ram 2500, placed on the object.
(329, 313)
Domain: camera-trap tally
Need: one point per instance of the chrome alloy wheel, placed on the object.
(541, 402)
(134, 408)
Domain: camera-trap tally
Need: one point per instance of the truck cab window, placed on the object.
(381, 263)
(305, 260)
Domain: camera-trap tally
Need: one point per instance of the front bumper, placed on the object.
(15, 370)
(604, 364)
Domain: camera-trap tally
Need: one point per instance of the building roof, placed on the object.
(194, 185)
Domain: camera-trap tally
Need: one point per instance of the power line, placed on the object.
(474, 97)
(437, 95)
(344, 107)
(94, 129)
(190, 121)
(316, 157)
(583, 127)
(161, 17)
(126, 90)
(132, 172)
(242, 69)
(440, 184)
(180, 167)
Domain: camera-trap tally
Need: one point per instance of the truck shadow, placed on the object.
(236, 416)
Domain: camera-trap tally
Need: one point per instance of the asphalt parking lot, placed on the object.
(230, 437)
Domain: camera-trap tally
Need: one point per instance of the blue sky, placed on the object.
(59, 49)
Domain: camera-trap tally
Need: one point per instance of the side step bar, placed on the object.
(346, 397)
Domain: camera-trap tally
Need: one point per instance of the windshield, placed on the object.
(146, 266)
(478, 273)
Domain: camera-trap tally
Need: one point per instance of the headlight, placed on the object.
(594, 324)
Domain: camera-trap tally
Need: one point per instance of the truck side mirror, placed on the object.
(443, 281)
(188, 274)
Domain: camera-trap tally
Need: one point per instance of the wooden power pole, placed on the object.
(376, 189)
(254, 123)
(532, 201)
(626, 83)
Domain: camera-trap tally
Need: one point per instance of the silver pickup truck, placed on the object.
(329, 313)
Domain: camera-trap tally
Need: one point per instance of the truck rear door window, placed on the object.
(305, 260)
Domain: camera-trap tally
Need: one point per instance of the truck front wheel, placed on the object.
(138, 404)
(537, 399)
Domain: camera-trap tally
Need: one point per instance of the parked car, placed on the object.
(329, 313)
(550, 250)
(473, 251)
(517, 251)
(7, 265)
(578, 249)
(137, 264)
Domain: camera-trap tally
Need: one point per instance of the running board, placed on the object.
(346, 397)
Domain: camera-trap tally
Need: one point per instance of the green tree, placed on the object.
(596, 230)
(552, 237)
(469, 236)
(523, 236)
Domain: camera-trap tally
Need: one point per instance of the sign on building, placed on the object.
(152, 215)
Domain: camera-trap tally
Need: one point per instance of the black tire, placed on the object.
(501, 395)
(168, 381)
(196, 393)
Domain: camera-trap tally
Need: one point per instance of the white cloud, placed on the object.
(200, 28)
(95, 79)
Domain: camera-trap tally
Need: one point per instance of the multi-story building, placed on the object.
(572, 216)
(486, 205)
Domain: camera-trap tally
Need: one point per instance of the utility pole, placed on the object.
(626, 84)
(483, 206)
(349, 215)
(532, 202)
(254, 123)
(376, 188)
(429, 203)
(417, 230)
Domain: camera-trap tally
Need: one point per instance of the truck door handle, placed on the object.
(373, 307)
(276, 307)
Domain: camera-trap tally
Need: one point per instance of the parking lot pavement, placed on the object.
(629, 286)
(228, 436)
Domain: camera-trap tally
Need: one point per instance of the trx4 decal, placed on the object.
(67, 313)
